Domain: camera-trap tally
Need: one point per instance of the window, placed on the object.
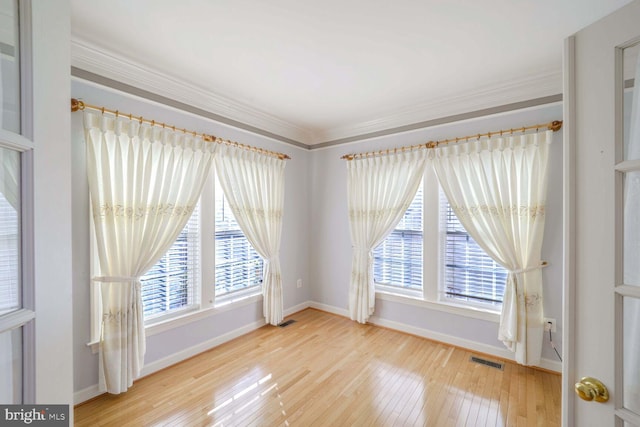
(470, 275)
(9, 66)
(238, 265)
(171, 285)
(398, 259)
(430, 257)
(10, 290)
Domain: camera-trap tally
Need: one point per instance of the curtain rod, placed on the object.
(77, 105)
(554, 126)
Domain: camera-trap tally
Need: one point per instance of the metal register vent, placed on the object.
(286, 323)
(486, 362)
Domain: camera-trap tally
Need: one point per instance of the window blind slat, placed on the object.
(171, 283)
(397, 261)
(469, 273)
(237, 264)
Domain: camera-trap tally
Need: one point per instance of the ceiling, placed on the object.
(323, 71)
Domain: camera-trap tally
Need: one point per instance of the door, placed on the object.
(602, 221)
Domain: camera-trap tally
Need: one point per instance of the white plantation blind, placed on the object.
(398, 259)
(469, 273)
(238, 265)
(171, 284)
(9, 258)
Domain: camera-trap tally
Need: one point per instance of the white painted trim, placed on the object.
(468, 311)
(163, 363)
(86, 394)
(568, 232)
(95, 59)
(106, 63)
(330, 309)
(296, 308)
(93, 391)
(14, 141)
(521, 89)
(16, 319)
(502, 353)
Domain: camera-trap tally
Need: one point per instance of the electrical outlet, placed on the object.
(299, 283)
(549, 324)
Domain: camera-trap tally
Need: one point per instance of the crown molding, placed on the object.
(540, 85)
(97, 60)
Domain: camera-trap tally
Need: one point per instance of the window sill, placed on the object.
(473, 312)
(191, 316)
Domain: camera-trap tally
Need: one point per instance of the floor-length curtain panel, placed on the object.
(497, 187)
(254, 185)
(379, 190)
(631, 312)
(144, 183)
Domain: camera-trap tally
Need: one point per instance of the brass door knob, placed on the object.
(591, 389)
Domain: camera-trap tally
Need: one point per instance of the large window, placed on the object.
(398, 259)
(238, 265)
(470, 275)
(430, 256)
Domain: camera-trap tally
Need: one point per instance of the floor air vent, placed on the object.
(287, 323)
(496, 365)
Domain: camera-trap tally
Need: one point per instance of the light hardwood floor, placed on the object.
(325, 370)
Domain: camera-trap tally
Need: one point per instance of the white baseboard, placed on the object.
(330, 309)
(503, 353)
(93, 391)
(150, 368)
(296, 308)
(86, 394)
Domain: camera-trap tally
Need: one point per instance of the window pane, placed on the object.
(11, 366)
(238, 265)
(398, 259)
(9, 66)
(170, 285)
(469, 273)
(10, 292)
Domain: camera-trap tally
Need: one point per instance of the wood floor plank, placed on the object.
(327, 370)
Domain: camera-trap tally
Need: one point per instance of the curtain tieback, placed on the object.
(115, 279)
(528, 269)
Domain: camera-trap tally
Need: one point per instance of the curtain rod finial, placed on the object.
(555, 125)
(76, 105)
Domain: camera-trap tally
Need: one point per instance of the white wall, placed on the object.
(52, 202)
(170, 346)
(330, 240)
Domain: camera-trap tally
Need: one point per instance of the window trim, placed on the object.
(432, 294)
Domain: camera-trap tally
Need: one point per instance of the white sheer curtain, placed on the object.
(631, 329)
(144, 183)
(254, 185)
(497, 187)
(379, 190)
